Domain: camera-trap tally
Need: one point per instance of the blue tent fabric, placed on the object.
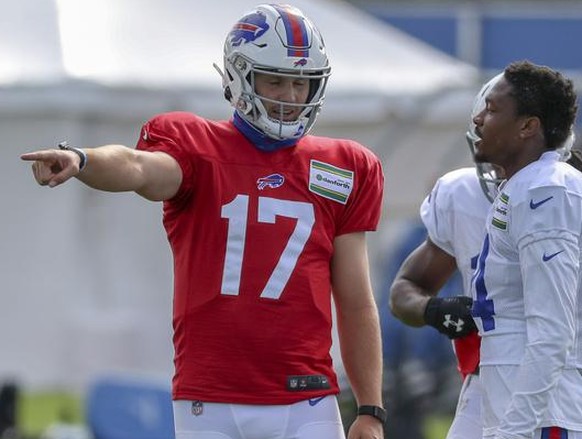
(129, 408)
(399, 341)
(417, 361)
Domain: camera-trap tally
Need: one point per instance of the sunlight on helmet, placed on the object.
(565, 150)
(575, 156)
(276, 40)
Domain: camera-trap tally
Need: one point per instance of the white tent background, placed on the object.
(86, 276)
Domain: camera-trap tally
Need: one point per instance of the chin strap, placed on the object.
(260, 140)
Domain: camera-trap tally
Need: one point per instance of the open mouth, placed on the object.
(283, 116)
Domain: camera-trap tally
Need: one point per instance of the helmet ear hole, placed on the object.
(314, 87)
(227, 94)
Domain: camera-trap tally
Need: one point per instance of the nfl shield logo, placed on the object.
(197, 408)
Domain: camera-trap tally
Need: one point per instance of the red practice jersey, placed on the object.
(252, 236)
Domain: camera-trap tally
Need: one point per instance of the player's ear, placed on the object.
(530, 126)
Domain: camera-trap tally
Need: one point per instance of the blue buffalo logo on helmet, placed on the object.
(248, 29)
(273, 181)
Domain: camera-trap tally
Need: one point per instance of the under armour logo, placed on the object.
(457, 324)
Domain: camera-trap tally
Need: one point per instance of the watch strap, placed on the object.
(373, 410)
(82, 155)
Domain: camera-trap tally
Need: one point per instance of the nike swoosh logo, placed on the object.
(546, 258)
(534, 205)
(315, 401)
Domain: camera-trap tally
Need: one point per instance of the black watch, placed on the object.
(373, 410)
(82, 155)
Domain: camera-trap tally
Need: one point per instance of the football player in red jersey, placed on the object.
(266, 224)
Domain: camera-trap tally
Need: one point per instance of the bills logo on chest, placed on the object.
(272, 181)
(500, 217)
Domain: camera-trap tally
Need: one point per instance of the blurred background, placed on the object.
(86, 291)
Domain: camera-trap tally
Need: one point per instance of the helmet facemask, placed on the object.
(252, 105)
(489, 174)
(574, 152)
(566, 149)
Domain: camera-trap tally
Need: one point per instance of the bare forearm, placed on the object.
(111, 168)
(361, 349)
(421, 276)
(357, 318)
(155, 175)
(115, 168)
(408, 302)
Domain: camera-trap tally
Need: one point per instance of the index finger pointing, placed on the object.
(37, 155)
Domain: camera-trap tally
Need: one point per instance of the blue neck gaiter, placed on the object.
(260, 140)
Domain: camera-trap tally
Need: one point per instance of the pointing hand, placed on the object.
(53, 166)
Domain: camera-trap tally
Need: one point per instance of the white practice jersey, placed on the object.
(454, 215)
(527, 297)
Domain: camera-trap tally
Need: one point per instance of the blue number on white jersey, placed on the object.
(483, 307)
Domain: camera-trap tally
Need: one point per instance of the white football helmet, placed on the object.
(567, 149)
(279, 40)
(487, 173)
(575, 158)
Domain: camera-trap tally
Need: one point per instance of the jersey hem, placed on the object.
(291, 399)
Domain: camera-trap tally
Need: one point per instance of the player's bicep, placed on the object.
(421, 275)
(428, 266)
(161, 175)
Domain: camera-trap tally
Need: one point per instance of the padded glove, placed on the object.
(450, 315)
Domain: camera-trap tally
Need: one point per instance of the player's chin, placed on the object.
(479, 155)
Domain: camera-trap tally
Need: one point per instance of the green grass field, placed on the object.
(36, 411)
(436, 427)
